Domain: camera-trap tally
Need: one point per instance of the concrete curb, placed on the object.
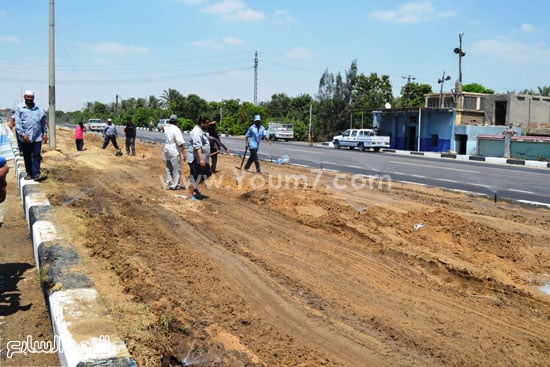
(82, 336)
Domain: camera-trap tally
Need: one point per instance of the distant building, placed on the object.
(457, 122)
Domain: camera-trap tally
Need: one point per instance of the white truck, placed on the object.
(362, 139)
(280, 130)
(95, 125)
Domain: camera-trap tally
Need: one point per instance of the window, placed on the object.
(470, 103)
(433, 102)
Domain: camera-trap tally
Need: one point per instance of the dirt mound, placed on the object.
(303, 267)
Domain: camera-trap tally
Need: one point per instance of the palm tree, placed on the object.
(168, 98)
(153, 102)
(544, 91)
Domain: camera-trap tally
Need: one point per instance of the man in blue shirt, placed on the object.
(255, 133)
(31, 126)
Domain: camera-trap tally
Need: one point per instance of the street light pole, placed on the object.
(441, 81)
(408, 86)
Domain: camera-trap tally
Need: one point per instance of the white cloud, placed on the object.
(237, 74)
(233, 41)
(282, 16)
(526, 27)
(115, 48)
(506, 49)
(210, 44)
(299, 53)
(9, 39)
(215, 44)
(234, 10)
(412, 12)
(193, 2)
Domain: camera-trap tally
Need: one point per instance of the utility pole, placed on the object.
(459, 98)
(116, 104)
(407, 88)
(309, 128)
(460, 54)
(51, 110)
(256, 79)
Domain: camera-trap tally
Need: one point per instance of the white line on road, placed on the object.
(521, 191)
(430, 166)
(446, 180)
(413, 183)
(538, 203)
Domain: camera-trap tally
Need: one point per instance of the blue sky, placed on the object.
(137, 48)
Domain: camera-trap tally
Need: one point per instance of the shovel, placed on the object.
(244, 156)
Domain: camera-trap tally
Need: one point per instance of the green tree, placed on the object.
(278, 106)
(153, 102)
(336, 101)
(168, 98)
(476, 88)
(414, 93)
(373, 92)
(544, 91)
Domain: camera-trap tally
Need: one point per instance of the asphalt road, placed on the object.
(500, 181)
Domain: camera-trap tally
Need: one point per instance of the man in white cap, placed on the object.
(254, 135)
(31, 126)
(173, 151)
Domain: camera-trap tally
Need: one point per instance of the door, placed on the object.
(500, 112)
(460, 142)
(411, 138)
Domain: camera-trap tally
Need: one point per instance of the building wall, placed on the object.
(402, 127)
(521, 110)
(519, 149)
(473, 132)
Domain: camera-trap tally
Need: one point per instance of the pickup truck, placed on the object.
(361, 139)
(277, 130)
(95, 125)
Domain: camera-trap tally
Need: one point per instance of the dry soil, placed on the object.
(299, 267)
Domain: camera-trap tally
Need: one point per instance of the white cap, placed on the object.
(29, 92)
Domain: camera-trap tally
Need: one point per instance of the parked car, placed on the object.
(95, 125)
(362, 139)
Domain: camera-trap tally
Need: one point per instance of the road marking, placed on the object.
(447, 180)
(413, 183)
(534, 203)
(419, 176)
(521, 191)
(429, 166)
(480, 185)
